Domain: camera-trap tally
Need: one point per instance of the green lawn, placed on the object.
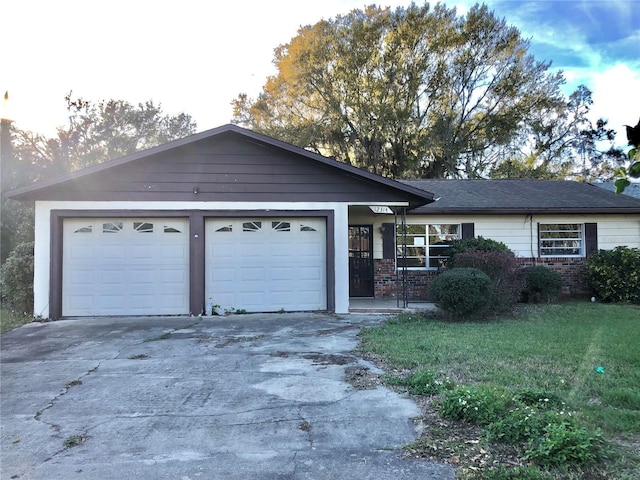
(586, 353)
(9, 320)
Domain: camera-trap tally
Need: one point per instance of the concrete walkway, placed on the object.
(237, 397)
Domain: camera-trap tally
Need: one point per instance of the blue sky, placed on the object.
(196, 56)
(595, 43)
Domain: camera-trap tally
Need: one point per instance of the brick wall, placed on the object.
(388, 281)
(570, 269)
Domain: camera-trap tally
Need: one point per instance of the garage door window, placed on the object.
(281, 226)
(110, 227)
(143, 227)
(306, 228)
(87, 229)
(251, 226)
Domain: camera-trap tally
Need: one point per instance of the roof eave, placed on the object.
(530, 211)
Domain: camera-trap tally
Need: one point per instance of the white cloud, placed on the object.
(615, 98)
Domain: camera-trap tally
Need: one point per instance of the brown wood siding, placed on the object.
(224, 169)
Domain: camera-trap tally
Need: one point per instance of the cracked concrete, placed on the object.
(243, 396)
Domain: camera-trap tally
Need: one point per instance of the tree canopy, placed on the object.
(95, 132)
(415, 91)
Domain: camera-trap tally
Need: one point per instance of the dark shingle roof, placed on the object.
(521, 196)
(632, 190)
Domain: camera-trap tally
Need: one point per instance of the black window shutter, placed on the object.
(388, 241)
(468, 230)
(590, 238)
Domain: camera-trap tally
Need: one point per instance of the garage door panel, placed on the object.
(110, 252)
(125, 267)
(260, 265)
(82, 278)
(280, 273)
(311, 273)
(113, 277)
(81, 302)
(173, 276)
(252, 274)
(111, 303)
(173, 251)
(140, 301)
(81, 252)
(141, 252)
(142, 277)
(222, 274)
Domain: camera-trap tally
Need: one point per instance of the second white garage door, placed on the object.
(266, 264)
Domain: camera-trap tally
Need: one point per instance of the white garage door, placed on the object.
(266, 264)
(125, 267)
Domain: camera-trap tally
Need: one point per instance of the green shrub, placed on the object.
(565, 443)
(539, 398)
(474, 244)
(502, 268)
(541, 284)
(480, 405)
(522, 423)
(16, 279)
(462, 291)
(614, 275)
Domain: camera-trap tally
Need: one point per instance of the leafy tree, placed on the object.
(633, 171)
(410, 92)
(95, 132)
(559, 142)
(528, 168)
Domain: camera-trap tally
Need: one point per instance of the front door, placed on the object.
(361, 261)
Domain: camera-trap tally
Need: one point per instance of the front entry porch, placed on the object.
(386, 306)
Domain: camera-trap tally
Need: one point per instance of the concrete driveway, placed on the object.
(237, 397)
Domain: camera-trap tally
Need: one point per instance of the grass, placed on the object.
(10, 320)
(553, 348)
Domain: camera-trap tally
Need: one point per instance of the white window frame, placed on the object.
(423, 240)
(551, 236)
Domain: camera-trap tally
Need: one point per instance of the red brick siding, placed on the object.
(570, 269)
(388, 281)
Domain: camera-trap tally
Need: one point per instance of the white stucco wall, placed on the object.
(43, 233)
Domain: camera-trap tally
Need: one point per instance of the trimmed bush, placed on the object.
(462, 291)
(542, 284)
(503, 270)
(473, 244)
(614, 275)
(16, 279)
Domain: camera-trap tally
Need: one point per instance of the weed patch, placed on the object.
(164, 336)
(141, 356)
(422, 382)
(75, 440)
